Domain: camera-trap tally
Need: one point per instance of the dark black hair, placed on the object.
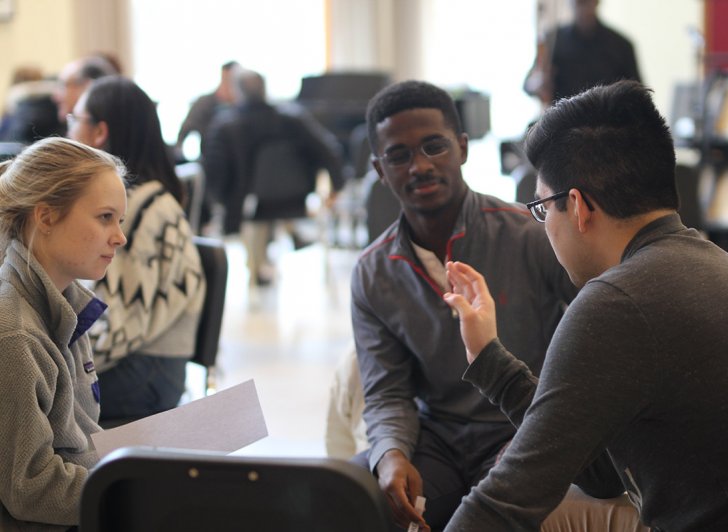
(408, 95)
(612, 144)
(135, 135)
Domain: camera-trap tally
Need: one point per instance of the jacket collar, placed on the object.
(68, 314)
(651, 232)
(468, 210)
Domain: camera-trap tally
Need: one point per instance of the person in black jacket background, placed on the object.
(261, 162)
(579, 55)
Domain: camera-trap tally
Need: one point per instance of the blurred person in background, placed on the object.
(579, 55)
(30, 113)
(75, 77)
(203, 109)
(261, 163)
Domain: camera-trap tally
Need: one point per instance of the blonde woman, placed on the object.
(61, 208)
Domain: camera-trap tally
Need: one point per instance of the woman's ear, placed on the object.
(44, 217)
(100, 134)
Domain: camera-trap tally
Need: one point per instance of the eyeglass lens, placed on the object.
(539, 212)
(430, 148)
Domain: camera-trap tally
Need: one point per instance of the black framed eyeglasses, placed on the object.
(538, 207)
(402, 156)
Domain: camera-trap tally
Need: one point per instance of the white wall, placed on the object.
(39, 34)
(659, 31)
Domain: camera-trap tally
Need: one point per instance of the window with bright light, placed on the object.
(487, 46)
(180, 45)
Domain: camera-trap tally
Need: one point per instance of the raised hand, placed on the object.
(471, 299)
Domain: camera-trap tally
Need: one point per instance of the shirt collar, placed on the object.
(88, 315)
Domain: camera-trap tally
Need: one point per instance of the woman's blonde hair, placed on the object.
(54, 171)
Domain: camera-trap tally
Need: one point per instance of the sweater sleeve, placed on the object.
(198, 117)
(504, 380)
(36, 482)
(586, 395)
(154, 285)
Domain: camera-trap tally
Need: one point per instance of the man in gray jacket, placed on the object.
(638, 367)
(431, 433)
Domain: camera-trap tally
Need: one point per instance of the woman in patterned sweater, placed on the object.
(156, 286)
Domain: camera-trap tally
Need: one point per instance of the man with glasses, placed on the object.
(431, 433)
(638, 367)
(73, 80)
(538, 207)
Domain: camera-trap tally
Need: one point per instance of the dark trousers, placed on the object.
(141, 385)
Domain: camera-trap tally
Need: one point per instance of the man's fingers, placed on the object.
(454, 276)
(401, 509)
(413, 515)
(468, 276)
(457, 302)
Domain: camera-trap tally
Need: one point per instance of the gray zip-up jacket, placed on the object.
(50, 396)
(408, 341)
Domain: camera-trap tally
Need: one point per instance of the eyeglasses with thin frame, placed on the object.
(401, 156)
(72, 119)
(538, 207)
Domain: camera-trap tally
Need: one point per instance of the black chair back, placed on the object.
(215, 266)
(382, 206)
(167, 491)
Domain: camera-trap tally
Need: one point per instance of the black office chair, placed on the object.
(192, 176)
(687, 180)
(525, 178)
(215, 266)
(382, 206)
(8, 150)
(169, 491)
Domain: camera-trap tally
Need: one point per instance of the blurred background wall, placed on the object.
(410, 38)
(174, 48)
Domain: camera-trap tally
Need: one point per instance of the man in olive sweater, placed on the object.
(638, 366)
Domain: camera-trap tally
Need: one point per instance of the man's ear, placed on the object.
(463, 143)
(582, 212)
(377, 164)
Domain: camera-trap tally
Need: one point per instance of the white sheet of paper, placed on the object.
(224, 422)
